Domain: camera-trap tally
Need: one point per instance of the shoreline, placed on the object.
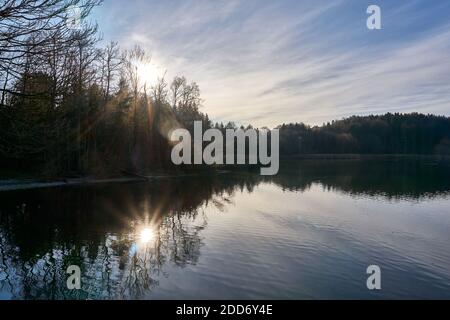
(35, 183)
(356, 156)
(29, 184)
(24, 183)
(19, 184)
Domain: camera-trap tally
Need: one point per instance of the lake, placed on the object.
(308, 233)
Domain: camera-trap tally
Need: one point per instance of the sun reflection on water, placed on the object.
(146, 235)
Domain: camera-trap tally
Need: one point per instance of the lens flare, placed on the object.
(148, 74)
(147, 235)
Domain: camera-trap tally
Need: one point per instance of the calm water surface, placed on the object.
(308, 233)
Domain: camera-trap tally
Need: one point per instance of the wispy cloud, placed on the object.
(267, 62)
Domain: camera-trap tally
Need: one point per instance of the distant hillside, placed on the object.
(384, 134)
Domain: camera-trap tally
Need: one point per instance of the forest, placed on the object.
(397, 133)
(69, 105)
(73, 104)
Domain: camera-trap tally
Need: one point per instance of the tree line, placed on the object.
(376, 134)
(69, 104)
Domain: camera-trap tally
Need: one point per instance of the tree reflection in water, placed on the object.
(43, 232)
(100, 229)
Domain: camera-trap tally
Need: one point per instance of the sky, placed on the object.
(271, 62)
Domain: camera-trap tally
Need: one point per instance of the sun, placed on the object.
(149, 73)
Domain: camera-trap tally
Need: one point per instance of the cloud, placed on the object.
(267, 62)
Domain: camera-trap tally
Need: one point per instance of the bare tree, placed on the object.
(39, 20)
(135, 60)
(111, 63)
(176, 90)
